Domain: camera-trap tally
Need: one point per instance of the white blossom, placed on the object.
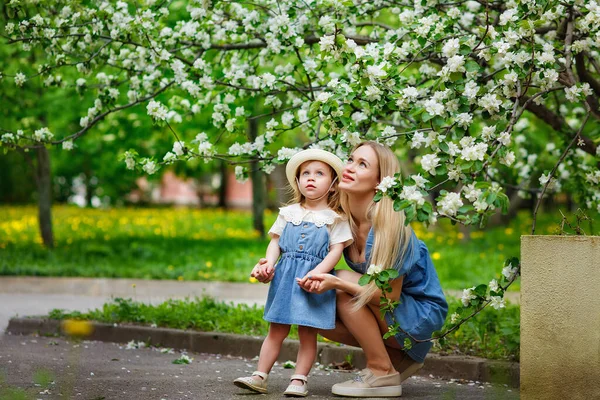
(156, 110)
(20, 79)
(413, 194)
(240, 174)
(429, 162)
(286, 153)
(494, 287)
(169, 158)
(451, 48)
(497, 302)
(351, 138)
(387, 183)
(454, 318)
(509, 271)
(450, 204)
(150, 167)
(467, 296)
(374, 269)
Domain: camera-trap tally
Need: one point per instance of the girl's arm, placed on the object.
(328, 263)
(331, 260)
(266, 266)
(273, 251)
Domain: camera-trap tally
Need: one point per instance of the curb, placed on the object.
(447, 367)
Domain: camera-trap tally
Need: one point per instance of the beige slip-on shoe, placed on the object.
(366, 384)
(295, 390)
(257, 385)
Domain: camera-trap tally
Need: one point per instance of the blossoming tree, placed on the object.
(487, 95)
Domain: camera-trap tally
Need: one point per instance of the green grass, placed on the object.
(184, 244)
(492, 334)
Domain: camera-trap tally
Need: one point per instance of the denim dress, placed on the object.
(303, 246)
(423, 307)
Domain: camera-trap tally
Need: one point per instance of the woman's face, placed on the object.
(361, 173)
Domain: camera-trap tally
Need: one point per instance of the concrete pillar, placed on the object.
(560, 317)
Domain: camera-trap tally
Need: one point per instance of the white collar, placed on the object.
(295, 214)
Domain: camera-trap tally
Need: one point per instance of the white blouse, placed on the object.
(337, 225)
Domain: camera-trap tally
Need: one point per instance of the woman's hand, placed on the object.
(263, 271)
(318, 283)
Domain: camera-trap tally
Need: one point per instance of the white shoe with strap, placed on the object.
(257, 385)
(296, 390)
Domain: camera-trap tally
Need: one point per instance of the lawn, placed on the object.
(492, 334)
(209, 244)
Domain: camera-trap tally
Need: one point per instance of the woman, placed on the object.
(380, 238)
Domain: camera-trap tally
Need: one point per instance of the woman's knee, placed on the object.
(344, 303)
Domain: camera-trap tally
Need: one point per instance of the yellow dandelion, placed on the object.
(180, 278)
(460, 235)
(253, 279)
(74, 327)
(500, 246)
(208, 264)
(133, 285)
(508, 231)
(436, 256)
(170, 268)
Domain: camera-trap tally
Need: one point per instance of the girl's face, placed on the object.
(361, 174)
(314, 179)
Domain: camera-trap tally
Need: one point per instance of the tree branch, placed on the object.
(560, 160)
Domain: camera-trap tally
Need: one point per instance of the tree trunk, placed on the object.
(223, 188)
(44, 185)
(279, 181)
(259, 194)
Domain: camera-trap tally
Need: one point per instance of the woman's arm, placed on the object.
(347, 281)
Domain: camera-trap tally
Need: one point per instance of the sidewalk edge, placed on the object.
(447, 367)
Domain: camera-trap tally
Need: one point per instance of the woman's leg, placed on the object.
(363, 325)
(307, 351)
(342, 334)
(271, 347)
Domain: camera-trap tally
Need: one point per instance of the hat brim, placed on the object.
(312, 155)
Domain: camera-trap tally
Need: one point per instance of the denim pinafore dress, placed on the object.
(303, 246)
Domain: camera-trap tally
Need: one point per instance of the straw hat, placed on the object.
(312, 155)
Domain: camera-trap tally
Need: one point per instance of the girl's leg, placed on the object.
(271, 347)
(307, 352)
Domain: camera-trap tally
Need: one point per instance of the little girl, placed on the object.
(310, 235)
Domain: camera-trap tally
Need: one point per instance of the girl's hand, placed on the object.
(263, 271)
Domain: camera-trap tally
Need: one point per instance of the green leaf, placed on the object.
(444, 147)
(378, 196)
(400, 205)
(426, 117)
(392, 273)
(471, 66)
(364, 280)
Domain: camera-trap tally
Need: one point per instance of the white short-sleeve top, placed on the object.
(337, 225)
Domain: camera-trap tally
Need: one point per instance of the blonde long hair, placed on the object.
(391, 236)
